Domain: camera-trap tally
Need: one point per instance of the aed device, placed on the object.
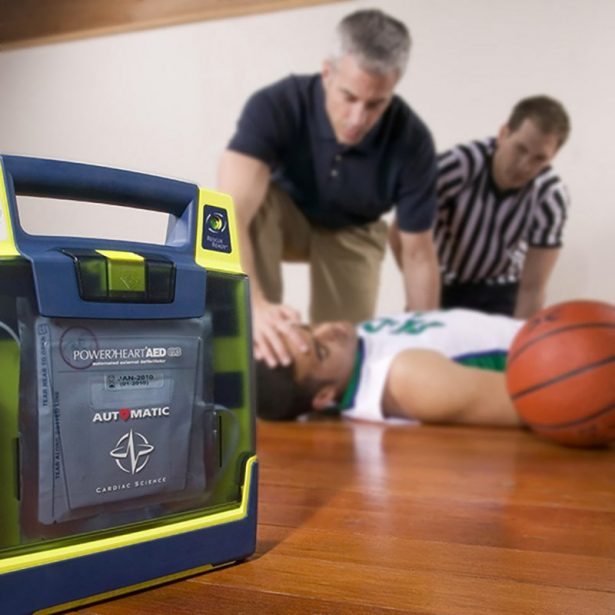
(127, 448)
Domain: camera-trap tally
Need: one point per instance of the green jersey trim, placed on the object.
(493, 360)
(351, 390)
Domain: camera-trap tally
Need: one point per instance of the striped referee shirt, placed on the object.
(482, 234)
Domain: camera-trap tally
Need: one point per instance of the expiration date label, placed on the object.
(134, 380)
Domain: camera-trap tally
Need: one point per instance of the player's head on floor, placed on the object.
(314, 380)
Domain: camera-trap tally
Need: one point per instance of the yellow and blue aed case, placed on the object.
(127, 447)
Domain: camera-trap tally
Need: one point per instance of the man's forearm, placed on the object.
(422, 283)
(246, 179)
(247, 262)
(529, 301)
(419, 264)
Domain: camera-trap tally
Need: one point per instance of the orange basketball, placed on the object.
(561, 373)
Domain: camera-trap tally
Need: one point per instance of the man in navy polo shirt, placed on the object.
(315, 162)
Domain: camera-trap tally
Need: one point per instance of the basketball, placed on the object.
(561, 373)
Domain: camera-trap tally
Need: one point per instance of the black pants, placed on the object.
(493, 299)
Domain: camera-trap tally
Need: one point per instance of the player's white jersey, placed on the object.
(466, 336)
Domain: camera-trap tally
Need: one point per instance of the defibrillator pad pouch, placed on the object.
(112, 417)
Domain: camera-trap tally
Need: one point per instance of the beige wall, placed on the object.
(165, 101)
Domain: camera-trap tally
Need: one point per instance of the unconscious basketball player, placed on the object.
(433, 367)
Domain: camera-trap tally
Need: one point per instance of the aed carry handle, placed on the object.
(55, 279)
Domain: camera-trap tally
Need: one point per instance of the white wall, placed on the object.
(165, 101)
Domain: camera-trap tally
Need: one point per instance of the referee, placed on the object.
(502, 210)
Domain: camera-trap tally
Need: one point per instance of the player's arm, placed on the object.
(419, 266)
(537, 269)
(246, 179)
(427, 386)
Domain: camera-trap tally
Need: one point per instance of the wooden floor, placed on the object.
(360, 518)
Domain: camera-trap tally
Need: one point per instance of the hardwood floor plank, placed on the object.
(375, 586)
(532, 528)
(189, 598)
(555, 569)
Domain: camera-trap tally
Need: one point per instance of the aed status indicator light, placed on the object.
(216, 236)
(215, 222)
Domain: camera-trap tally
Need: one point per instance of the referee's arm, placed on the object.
(537, 269)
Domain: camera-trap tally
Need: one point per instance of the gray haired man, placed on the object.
(314, 163)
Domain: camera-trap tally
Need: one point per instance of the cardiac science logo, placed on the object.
(132, 452)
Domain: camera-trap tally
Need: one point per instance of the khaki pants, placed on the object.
(344, 264)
